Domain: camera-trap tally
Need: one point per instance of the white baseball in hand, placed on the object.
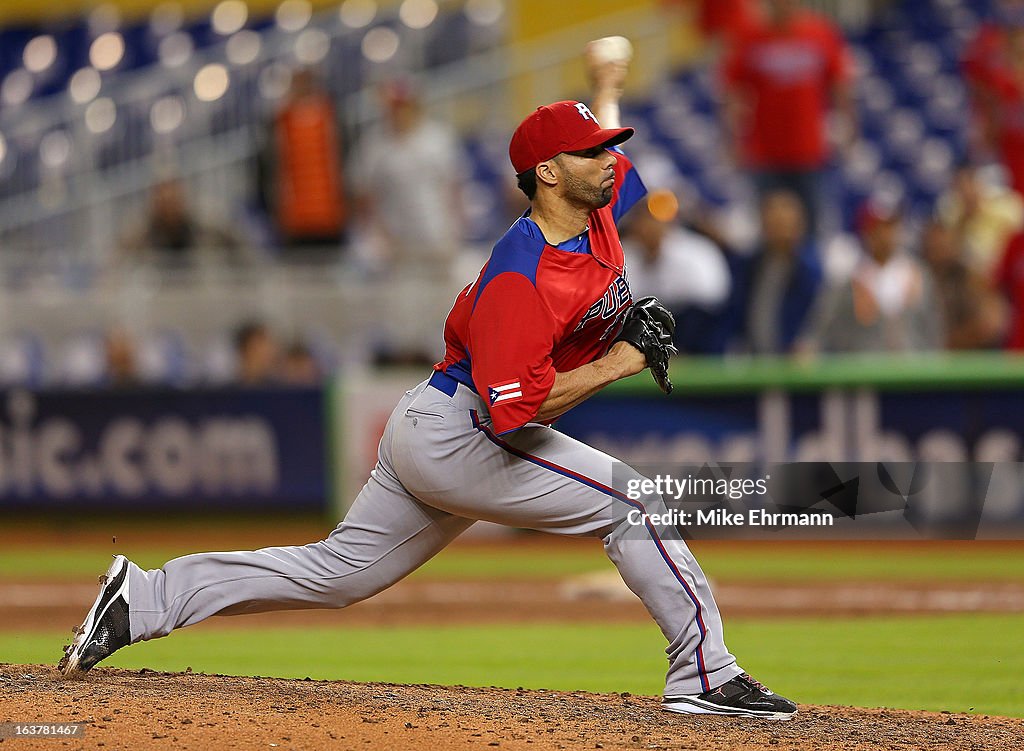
(611, 50)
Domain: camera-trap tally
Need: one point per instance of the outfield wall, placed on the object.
(940, 407)
(312, 449)
(164, 450)
(930, 410)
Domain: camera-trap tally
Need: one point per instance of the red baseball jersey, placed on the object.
(988, 64)
(726, 17)
(1009, 277)
(1006, 96)
(787, 73)
(985, 55)
(537, 309)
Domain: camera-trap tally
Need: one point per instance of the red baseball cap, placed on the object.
(556, 128)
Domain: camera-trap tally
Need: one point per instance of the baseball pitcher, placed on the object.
(548, 322)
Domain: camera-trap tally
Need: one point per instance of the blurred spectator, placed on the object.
(723, 19)
(684, 269)
(389, 356)
(780, 75)
(775, 287)
(307, 194)
(121, 362)
(993, 66)
(1009, 280)
(707, 220)
(974, 316)
(719, 19)
(888, 305)
(299, 367)
(258, 354)
(983, 216)
(408, 178)
(171, 234)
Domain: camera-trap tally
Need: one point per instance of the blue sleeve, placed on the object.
(629, 188)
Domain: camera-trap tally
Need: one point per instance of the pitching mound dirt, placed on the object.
(144, 710)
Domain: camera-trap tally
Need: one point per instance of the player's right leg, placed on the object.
(385, 535)
(539, 478)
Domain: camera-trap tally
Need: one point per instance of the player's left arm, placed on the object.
(575, 386)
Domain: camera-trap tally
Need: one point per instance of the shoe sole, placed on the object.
(73, 653)
(693, 705)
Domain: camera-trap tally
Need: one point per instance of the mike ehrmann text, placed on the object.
(725, 518)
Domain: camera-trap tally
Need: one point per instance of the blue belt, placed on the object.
(443, 383)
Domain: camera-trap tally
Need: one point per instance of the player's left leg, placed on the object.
(387, 534)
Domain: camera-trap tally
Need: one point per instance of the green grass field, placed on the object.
(960, 663)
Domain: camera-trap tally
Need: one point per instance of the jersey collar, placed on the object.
(578, 244)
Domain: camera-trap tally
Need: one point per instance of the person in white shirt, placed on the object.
(889, 302)
(683, 269)
(407, 176)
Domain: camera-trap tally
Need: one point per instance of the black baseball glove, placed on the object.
(648, 325)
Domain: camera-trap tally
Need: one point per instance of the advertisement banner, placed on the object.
(218, 449)
(961, 435)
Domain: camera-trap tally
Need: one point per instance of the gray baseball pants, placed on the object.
(440, 468)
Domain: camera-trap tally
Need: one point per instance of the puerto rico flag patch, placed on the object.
(509, 391)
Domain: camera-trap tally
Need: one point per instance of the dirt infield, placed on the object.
(143, 710)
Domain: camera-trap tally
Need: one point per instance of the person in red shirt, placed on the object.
(993, 67)
(724, 18)
(718, 19)
(1009, 280)
(534, 335)
(780, 77)
(990, 54)
(551, 266)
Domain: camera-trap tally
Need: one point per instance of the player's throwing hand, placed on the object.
(607, 60)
